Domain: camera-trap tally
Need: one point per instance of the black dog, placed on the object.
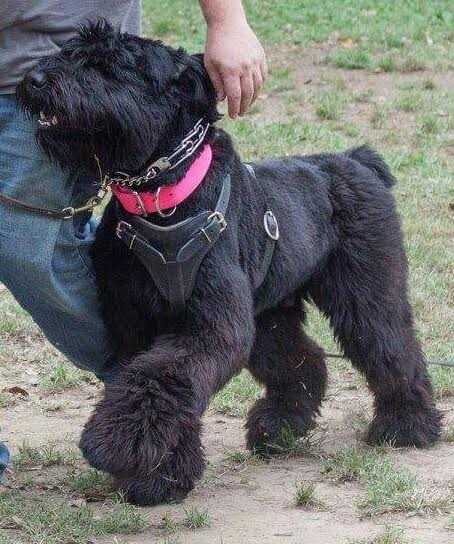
(128, 101)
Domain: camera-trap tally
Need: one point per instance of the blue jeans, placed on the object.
(45, 262)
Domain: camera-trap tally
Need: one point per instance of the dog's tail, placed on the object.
(369, 158)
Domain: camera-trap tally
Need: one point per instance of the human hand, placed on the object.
(236, 63)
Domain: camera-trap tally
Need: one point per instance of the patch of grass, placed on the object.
(375, 24)
(240, 458)
(412, 63)
(5, 539)
(281, 79)
(350, 130)
(449, 434)
(388, 489)
(387, 64)
(291, 445)
(335, 81)
(351, 59)
(330, 105)
(196, 519)
(237, 457)
(429, 124)
(379, 116)
(360, 419)
(237, 396)
(350, 464)
(391, 535)
(43, 520)
(163, 27)
(91, 484)
(65, 376)
(443, 382)
(14, 321)
(46, 456)
(364, 97)
(168, 523)
(429, 85)
(305, 495)
(121, 518)
(410, 102)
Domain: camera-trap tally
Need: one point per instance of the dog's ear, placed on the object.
(194, 84)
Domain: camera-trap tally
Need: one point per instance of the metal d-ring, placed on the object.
(158, 207)
(271, 225)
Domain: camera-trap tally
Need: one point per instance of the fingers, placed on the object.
(241, 89)
(247, 91)
(216, 80)
(233, 91)
(258, 84)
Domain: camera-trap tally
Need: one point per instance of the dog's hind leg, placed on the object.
(363, 291)
(292, 368)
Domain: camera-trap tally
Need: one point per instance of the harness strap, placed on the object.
(172, 255)
(271, 227)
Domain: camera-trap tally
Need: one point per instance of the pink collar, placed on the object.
(167, 197)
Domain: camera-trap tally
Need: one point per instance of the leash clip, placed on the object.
(68, 213)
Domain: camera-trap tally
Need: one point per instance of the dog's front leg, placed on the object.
(146, 430)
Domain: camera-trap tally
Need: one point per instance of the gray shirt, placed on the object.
(31, 29)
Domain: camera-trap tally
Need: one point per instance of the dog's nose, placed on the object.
(37, 78)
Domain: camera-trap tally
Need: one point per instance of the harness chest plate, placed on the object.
(172, 255)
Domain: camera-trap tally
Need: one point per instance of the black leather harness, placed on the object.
(172, 255)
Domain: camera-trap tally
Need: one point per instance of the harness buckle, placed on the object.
(121, 226)
(219, 217)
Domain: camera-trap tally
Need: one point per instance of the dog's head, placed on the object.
(116, 96)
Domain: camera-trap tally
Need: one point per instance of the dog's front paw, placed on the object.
(173, 477)
(270, 427)
(418, 429)
(138, 420)
(151, 492)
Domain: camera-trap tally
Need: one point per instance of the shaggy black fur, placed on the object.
(127, 100)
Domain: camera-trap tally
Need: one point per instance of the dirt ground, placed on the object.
(252, 501)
